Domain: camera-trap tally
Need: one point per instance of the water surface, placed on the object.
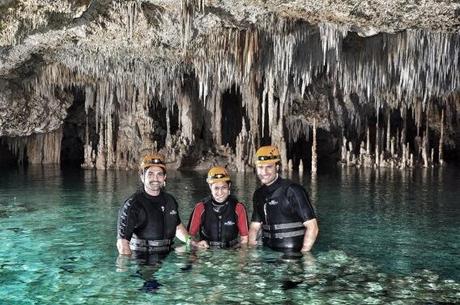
(385, 237)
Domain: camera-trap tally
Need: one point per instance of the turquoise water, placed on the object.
(386, 237)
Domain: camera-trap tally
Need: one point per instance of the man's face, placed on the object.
(267, 172)
(153, 179)
(220, 191)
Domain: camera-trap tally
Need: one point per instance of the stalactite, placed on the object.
(280, 58)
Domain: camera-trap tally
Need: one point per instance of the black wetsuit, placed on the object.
(149, 222)
(282, 208)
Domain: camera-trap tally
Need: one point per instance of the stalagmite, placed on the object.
(425, 150)
(377, 140)
(432, 156)
(441, 140)
(388, 135)
(300, 167)
(392, 147)
(344, 150)
(368, 142)
(314, 155)
(289, 165)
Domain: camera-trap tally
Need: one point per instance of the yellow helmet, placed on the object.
(267, 154)
(154, 159)
(217, 174)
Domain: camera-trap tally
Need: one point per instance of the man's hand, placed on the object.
(200, 244)
(253, 232)
(123, 247)
(311, 232)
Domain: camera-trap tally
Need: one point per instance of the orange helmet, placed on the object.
(267, 154)
(154, 159)
(217, 174)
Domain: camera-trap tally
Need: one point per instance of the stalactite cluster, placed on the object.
(388, 99)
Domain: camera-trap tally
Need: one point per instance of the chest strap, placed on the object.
(283, 226)
(272, 231)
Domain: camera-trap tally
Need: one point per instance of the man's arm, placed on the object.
(182, 234)
(123, 246)
(311, 233)
(253, 231)
(128, 217)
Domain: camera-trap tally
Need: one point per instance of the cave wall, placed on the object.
(153, 77)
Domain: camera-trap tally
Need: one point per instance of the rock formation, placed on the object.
(101, 82)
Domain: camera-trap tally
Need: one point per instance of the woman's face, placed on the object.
(220, 191)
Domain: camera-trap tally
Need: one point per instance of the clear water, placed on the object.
(386, 237)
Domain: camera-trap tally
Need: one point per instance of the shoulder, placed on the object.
(292, 186)
(132, 199)
(199, 205)
(240, 206)
(295, 189)
(169, 198)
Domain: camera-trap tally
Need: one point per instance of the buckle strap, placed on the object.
(145, 245)
(281, 226)
(284, 234)
(223, 244)
(150, 249)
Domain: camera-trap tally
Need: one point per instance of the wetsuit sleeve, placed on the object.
(301, 204)
(256, 217)
(242, 219)
(129, 218)
(194, 223)
(179, 221)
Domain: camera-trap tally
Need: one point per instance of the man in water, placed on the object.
(149, 220)
(220, 218)
(281, 208)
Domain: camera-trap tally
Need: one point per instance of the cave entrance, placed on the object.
(7, 158)
(159, 114)
(73, 132)
(299, 150)
(232, 116)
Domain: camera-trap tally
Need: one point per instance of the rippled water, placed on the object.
(385, 237)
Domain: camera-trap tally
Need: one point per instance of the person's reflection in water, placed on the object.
(149, 264)
(294, 267)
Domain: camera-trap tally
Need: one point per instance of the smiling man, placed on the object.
(149, 220)
(281, 208)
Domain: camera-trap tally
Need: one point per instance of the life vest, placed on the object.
(158, 228)
(220, 229)
(282, 228)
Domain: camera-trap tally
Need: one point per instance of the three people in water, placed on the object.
(283, 216)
